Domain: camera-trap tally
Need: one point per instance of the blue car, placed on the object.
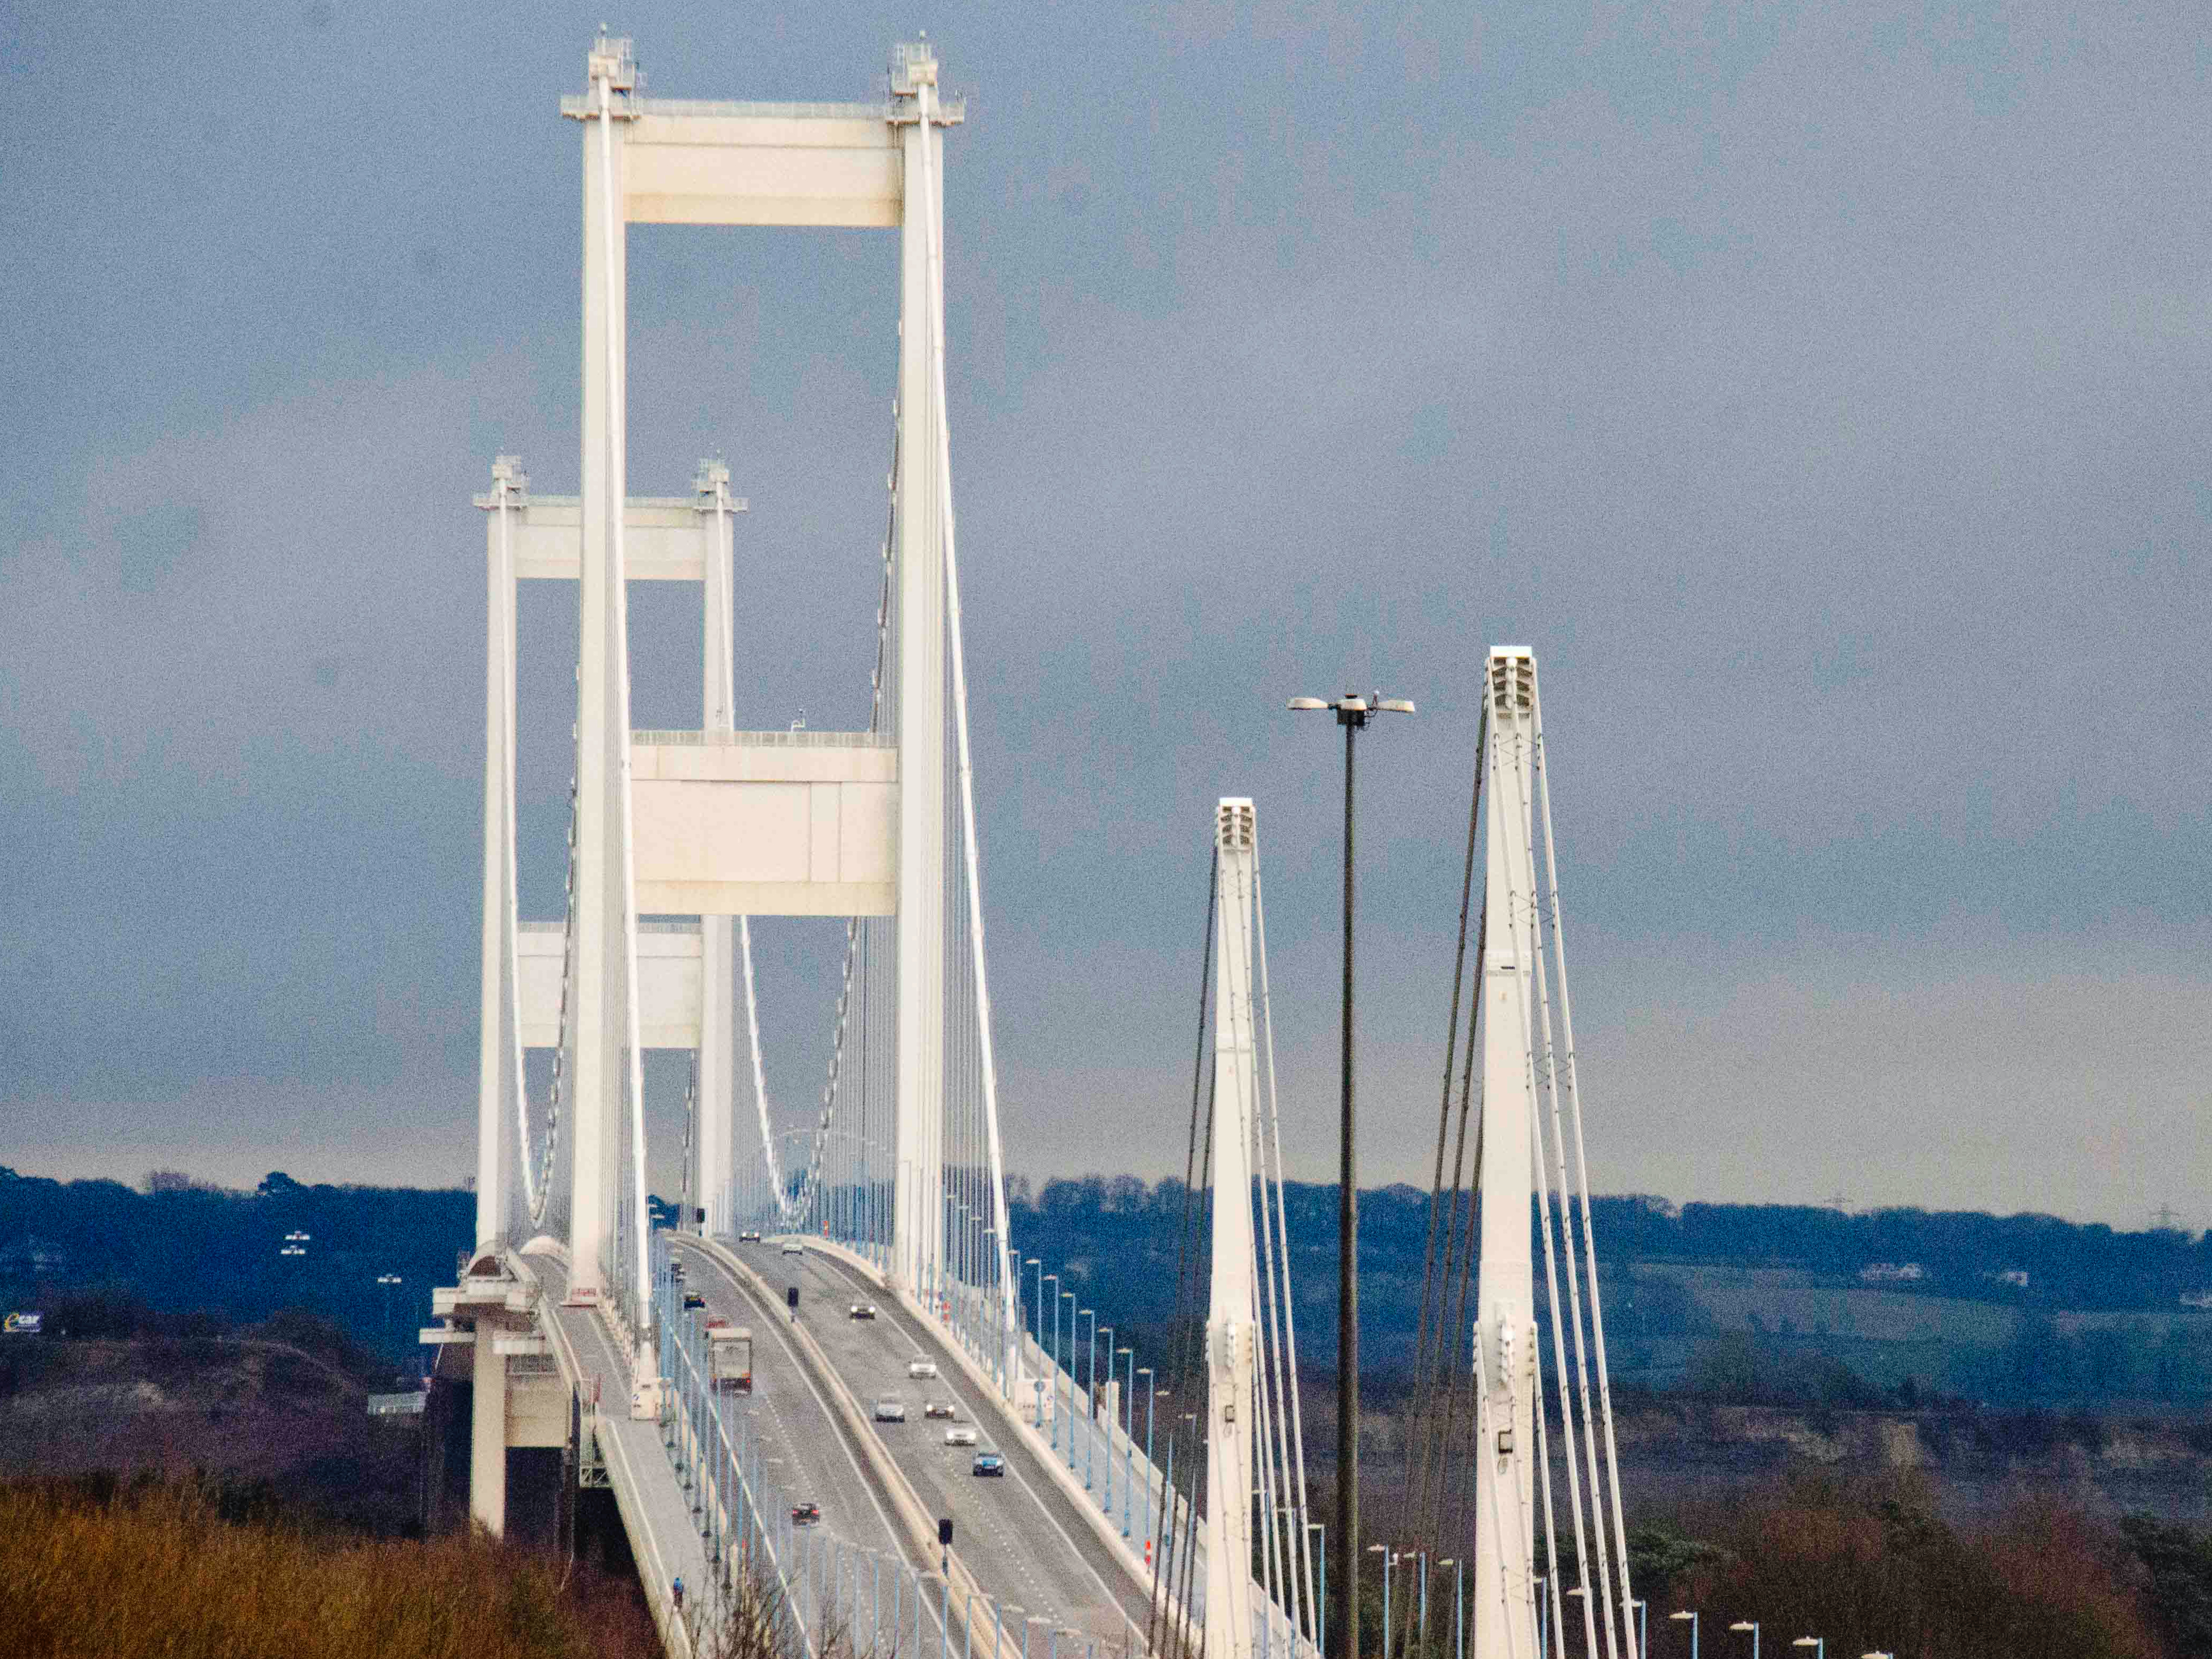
(989, 1463)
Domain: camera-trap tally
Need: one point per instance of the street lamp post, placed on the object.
(1690, 1614)
(1352, 713)
(1106, 1502)
(1423, 1620)
(1320, 1614)
(1751, 1625)
(1152, 1398)
(1068, 1297)
(1459, 1604)
(1090, 1395)
(1818, 1643)
(1643, 1629)
(1389, 1559)
(1128, 1440)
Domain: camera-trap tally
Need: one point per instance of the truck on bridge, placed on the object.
(729, 1356)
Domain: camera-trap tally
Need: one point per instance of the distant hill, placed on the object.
(1750, 1300)
(180, 1246)
(1773, 1303)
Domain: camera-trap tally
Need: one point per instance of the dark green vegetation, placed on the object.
(176, 1246)
(1758, 1304)
(179, 1569)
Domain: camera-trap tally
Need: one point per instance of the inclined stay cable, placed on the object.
(1289, 1356)
(1163, 1566)
(1574, 1093)
(1432, 1333)
(1471, 1105)
(1534, 1015)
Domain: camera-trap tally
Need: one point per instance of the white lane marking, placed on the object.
(867, 1487)
(833, 1265)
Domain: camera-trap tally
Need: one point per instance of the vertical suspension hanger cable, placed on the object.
(934, 227)
(618, 630)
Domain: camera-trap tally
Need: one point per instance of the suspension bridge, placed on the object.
(833, 1399)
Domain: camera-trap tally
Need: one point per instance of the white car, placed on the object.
(921, 1368)
(891, 1411)
(794, 1250)
(960, 1437)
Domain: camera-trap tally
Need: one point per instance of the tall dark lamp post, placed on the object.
(1352, 713)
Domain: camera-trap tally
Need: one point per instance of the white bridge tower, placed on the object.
(719, 824)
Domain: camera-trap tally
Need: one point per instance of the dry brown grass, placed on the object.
(158, 1572)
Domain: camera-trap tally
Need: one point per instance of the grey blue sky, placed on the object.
(1822, 390)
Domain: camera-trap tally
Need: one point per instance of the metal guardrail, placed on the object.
(581, 104)
(801, 738)
(828, 1585)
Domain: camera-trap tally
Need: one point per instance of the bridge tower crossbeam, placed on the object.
(719, 824)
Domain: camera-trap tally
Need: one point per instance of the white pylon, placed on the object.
(1504, 1610)
(1232, 1329)
(1533, 1171)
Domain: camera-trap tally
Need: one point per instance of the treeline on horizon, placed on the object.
(1117, 1242)
(180, 1245)
(1961, 1253)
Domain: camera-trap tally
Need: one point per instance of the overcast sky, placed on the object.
(1822, 390)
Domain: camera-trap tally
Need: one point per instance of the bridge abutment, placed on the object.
(522, 1414)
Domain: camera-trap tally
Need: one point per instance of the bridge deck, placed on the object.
(1021, 1535)
(656, 1511)
(803, 1447)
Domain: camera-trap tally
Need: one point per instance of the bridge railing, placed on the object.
(826, 1596)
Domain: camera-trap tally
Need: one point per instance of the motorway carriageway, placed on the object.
(1020, 1535)
(803, 1450)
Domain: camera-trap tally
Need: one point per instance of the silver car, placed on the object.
(891, 1411)
(921, 1368)
(961, 1437)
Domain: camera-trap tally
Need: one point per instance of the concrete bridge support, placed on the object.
(521, 1411)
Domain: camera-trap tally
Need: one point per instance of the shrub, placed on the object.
(148, 1570)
